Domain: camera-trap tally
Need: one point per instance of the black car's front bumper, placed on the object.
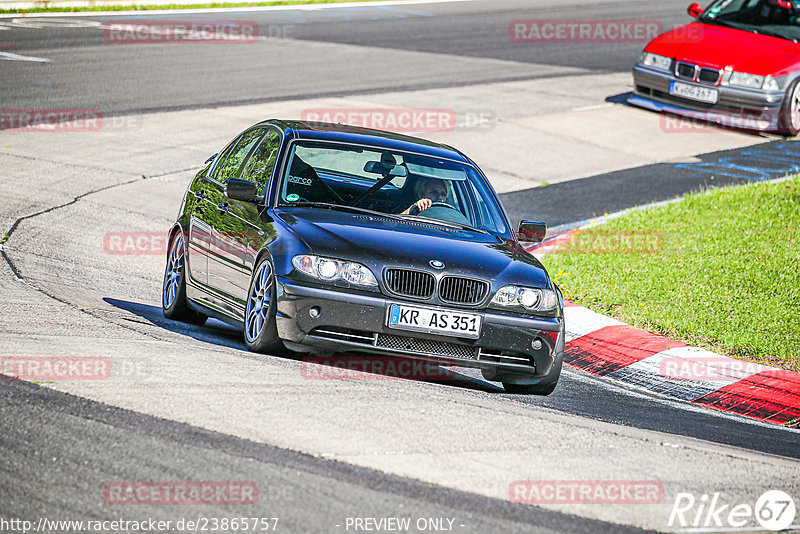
(347, 321)
(737, 107)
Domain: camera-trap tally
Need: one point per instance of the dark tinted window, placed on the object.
(233, 161)
(388, 181)
(260, 166)
(771, 17)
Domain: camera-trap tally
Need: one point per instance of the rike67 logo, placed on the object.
(775, 510)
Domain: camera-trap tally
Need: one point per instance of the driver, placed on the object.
(429, 190)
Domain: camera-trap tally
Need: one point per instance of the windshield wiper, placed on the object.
(449, 224)
(750, 28)
(354, 209)
(342, 207)
(773, 33)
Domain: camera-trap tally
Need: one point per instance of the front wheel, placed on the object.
(789, 120)
(260, 330)
(545, 386)
(173, 291)
(539, 389)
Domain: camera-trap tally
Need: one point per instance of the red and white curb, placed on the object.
(607, 348)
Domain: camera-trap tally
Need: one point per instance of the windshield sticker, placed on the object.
(300, 180)
(293, 198)
(714, 11)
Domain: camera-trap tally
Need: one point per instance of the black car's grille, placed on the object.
(408, 283)
(427, 346)
(462, 290)
(709, 76)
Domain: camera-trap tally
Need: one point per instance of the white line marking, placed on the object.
(38, 23)
(302, 7)
(588, 223)
(16, 57)
(732, 529)
(595, 106)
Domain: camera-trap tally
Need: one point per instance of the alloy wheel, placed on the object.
(258, 302)
(172, 277)
(794, 108)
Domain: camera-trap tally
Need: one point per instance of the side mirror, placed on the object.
(243, 190)
(532, 231)
(695, 10)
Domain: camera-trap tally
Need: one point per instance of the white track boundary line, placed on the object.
(241, 9)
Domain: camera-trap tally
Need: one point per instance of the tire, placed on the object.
(173, 290)
(260, 330)
(542, 388)
(539, 389)
(789, 120)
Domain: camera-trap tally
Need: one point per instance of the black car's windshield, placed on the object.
(778, 18)
(358, 178)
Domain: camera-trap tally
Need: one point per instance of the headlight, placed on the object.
(330, 270)
(771, 84)
(531, 299)
(656, 61)
(746, 80)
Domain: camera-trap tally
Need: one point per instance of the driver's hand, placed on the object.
(423, 204)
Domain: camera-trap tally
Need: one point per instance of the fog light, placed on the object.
(536, 344)
(314, 312)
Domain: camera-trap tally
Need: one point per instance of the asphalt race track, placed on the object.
(191, 404)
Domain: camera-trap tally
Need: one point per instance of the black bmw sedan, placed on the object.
(318, 237)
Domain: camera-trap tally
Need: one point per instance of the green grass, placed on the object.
(727, 276)
(174, 6)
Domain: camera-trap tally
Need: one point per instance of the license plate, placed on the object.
(694, 92)
(444, 322)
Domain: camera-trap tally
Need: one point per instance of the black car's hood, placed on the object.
(382, 241)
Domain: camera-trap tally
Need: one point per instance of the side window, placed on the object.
(230, 167)
(483, 211)
(260, 166)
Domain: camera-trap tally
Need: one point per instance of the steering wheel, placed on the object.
(441, 205)
(416, 211)
(445, 212)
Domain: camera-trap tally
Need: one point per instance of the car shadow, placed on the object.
(213, 332)
(682, 124)
(346, 366)
(621, 98)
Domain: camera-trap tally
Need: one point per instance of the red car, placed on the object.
(737, 65)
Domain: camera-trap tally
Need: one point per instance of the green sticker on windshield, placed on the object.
(293, 198)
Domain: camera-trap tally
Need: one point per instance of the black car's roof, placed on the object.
(325, 131)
